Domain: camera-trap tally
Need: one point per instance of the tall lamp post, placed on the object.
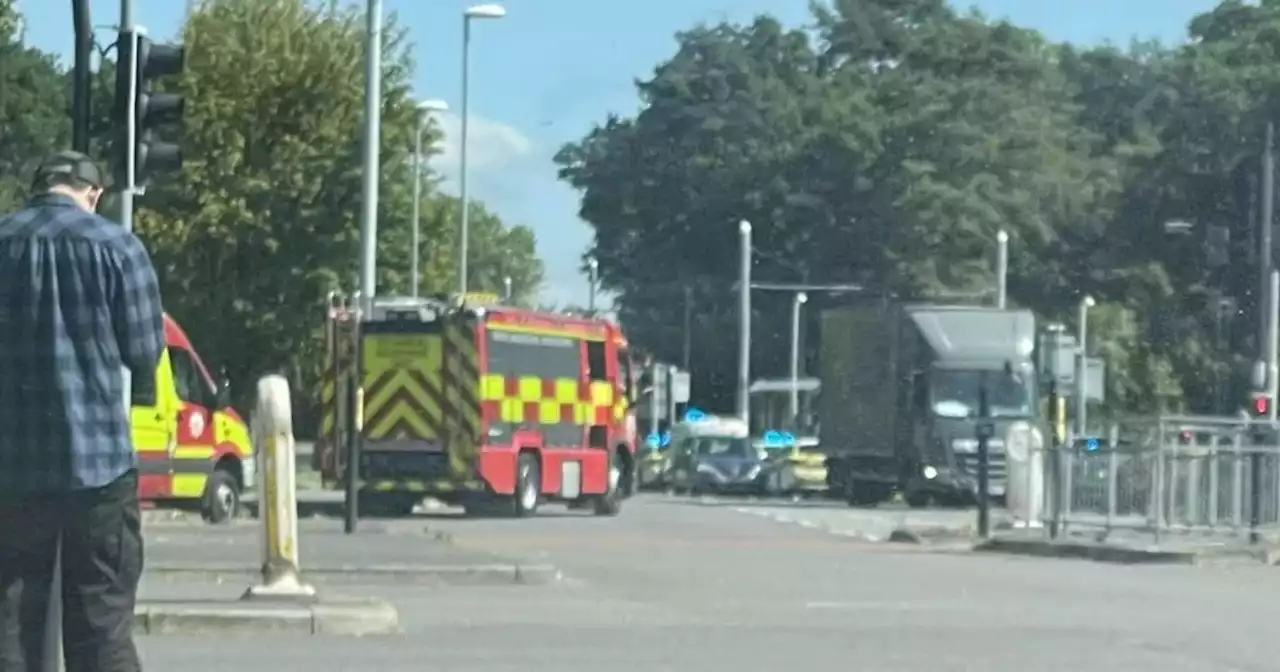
(485, 11)
(1082, 368)
(425, 109)
(797, 305)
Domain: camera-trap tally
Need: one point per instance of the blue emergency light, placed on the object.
(776, 439)
(694, 415)
(1091, 445)
(658, 439)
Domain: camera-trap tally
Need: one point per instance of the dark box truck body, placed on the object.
(899, 404)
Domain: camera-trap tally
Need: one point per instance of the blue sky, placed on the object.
(549, 70)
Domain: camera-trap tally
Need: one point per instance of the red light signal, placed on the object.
(1261, 405)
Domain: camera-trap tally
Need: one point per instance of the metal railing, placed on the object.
(1182, 474)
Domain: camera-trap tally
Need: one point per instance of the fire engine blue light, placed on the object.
(776, 439)
(658, 439)
(694, 415)
(1091, 444)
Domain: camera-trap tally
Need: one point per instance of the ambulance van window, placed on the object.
(192, 387)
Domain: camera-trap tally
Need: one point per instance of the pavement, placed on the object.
(382, 551)
(680, 584)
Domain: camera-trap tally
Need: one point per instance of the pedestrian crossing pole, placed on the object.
(1058, 418)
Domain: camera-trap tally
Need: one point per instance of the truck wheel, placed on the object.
(918, 500)
(221, 500)
(610, 503)
(528, 494)
(387, 504)
(867, 494)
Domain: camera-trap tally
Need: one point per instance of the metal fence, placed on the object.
(1179, 474)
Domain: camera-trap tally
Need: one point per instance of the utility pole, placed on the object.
(1266, 218)
(687, 346)
(372, 134)
(1002, 268)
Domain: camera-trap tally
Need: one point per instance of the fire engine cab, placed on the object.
(489, 407)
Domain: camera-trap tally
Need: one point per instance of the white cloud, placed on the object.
(515, 176)
(490, 145)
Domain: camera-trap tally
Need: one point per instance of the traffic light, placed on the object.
(1261, 406)
(141, 112)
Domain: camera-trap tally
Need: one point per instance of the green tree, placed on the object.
(263, 220)
(888, 154)
(33, 109)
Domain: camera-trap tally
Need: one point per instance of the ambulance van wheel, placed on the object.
(528, 494)
(221, 501)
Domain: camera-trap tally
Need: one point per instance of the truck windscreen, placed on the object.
(955, 393)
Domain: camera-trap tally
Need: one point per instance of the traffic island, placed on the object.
(482, 571)
(329, 616)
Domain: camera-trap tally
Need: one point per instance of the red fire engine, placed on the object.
(493, 408)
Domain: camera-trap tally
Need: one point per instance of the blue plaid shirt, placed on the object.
(78, 301)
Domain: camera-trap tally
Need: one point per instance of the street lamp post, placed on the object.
(425, 109)
(486, 11)
(797, 304)
(1082, 366)
(744, 322)
(593, 275)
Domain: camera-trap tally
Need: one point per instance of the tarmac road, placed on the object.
(678, 584)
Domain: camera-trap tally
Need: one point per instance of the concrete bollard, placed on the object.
(272, 427)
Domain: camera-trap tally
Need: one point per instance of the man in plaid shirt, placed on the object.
(79, 304)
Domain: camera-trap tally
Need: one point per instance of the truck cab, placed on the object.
(902, 386)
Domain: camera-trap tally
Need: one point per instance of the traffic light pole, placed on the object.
(127, 27)
(985, 431)
(1273, 343)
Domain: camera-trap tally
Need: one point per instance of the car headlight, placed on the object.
(930, 472)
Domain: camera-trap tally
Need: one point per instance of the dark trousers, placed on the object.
(101, 532)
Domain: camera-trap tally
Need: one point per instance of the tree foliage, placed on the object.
(33, 104)
(889, 145)
(263, 219)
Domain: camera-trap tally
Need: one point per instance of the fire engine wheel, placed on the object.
(221, 501)
(528, 493)
(610, 503)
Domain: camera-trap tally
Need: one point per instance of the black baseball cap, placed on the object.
(72, 165)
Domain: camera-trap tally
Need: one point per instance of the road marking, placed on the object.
(881, 606)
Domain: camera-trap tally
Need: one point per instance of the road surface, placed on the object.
(678, 584)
